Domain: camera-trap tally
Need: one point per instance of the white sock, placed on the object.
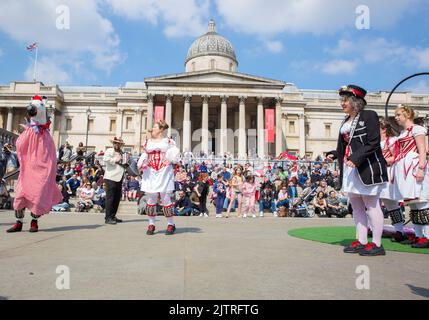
(418, 229)
(35, 218)
(170, 221)
(152, 221)
(20, 220)
(399, 227)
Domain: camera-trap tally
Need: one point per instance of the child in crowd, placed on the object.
(219, 189)
(249, 193)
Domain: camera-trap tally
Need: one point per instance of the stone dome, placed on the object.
(212, 44)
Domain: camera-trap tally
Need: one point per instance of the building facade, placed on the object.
(211, 107)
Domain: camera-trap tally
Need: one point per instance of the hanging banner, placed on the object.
(159, 113)
(269, 125)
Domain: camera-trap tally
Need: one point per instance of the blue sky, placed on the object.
(314, 44)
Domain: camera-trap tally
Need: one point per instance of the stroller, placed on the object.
(302, 207)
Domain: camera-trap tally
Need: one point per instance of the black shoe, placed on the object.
(372, 250)
(398, 237)
(118, 220)
(354, 247)
(111, 221)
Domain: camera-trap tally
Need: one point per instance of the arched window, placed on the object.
(212, 64)
(231, 67)
(193, 66)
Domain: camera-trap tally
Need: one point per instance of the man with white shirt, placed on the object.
(113, 178)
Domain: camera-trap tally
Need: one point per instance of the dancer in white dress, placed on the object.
(363, 169)
(411, 175)
(156, 163)
(388, 142)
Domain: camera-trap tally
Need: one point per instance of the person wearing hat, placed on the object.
(36, 189)
(113, 177)
(363, 169)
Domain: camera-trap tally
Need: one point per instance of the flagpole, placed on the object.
(35, 64)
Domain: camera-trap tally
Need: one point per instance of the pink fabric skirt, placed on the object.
(36, 189)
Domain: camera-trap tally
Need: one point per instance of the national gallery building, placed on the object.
(210, 107)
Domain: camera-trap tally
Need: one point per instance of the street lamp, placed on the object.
(88, 114)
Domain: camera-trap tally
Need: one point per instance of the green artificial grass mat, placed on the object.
(343, 236)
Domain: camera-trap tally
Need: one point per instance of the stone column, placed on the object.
(9, 119)
(168, 111)
(205, 126)
(302, 146)
(120, 122)
(279, 131)
(149, 121)
(187, 124)
(139, 129)
(261, 130)
(242, 139)
(223, 125)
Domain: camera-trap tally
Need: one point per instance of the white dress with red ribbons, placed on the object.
(352, 182)
(387, 146)
(156, 163)
(406, 166)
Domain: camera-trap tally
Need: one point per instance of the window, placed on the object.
(307, 129)
(68, 124)
(91, 125)
(327, 130)
(212, 64)
(193, 66)
(231, 67)
(291, 126)
(128, 149)
(112, 125)
(129, 123)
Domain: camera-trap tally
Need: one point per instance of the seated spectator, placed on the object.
(195, 203)
(193, 174)
(60, 172)
(100, 196)
(282, 198)
(267, 201)
(133, 188)
(188, 186)
(73, 184)
(86, 197)
(335, 208)
(226, 174)
(323, 187)
(64, 205)
(180, 179)
(320, 205)
(68, 172)
(182, 207)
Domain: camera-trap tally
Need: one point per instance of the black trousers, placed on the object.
(113, 197)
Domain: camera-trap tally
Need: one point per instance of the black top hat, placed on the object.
(353, 90)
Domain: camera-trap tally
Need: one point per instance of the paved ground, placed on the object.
(207, 259)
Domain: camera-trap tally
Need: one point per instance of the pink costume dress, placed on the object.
(37, 189)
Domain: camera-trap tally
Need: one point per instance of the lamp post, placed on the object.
(88, 114)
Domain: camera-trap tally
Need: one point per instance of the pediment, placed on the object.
(214, 77)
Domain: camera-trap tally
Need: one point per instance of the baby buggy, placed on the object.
(302, 207)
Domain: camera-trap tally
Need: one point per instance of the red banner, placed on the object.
(159, 113)
(269, 125)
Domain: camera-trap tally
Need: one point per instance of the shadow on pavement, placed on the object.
(71, 228)
(424, 292)
(188, 230)
(136, 220)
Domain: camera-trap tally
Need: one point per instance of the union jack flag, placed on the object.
(31, 47)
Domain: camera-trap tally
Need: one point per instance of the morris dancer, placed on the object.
(158, 175)
(388, 140)
(36, 189)
(410, 172)
(363, 169)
